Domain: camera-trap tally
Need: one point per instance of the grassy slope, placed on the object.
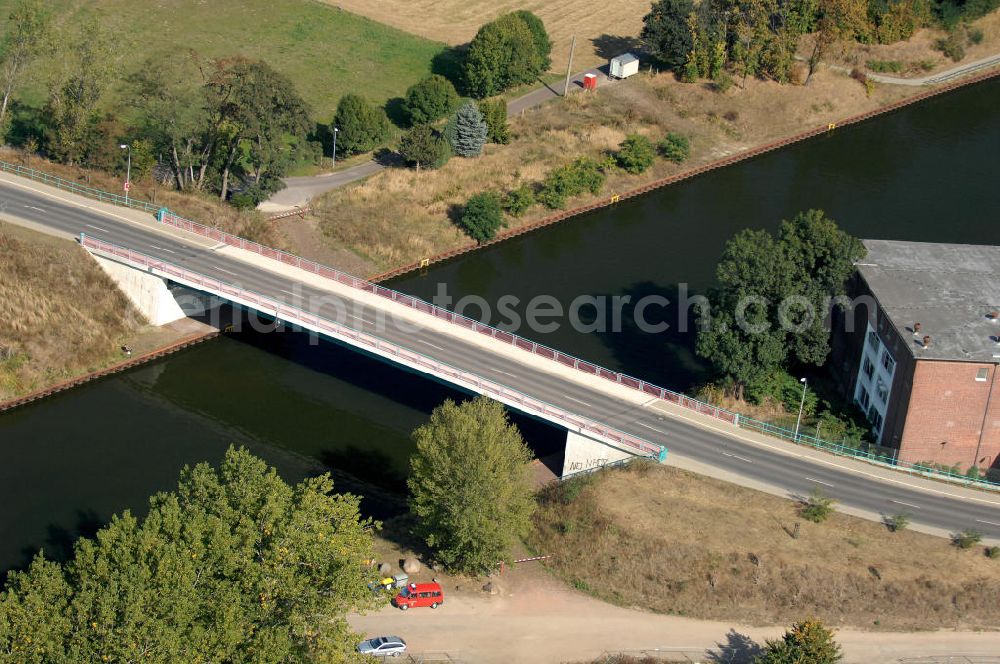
(675, 542)
(325, 51)
(60, 313)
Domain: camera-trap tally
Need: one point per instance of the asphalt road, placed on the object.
(941, 507)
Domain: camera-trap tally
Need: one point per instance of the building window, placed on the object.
(868, 368)
(873, 340)
(863, 398)
(882, 391)
(888, 362)
(982, 374)
(875, 418)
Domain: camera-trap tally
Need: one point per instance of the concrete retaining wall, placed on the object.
(584, 454)
(148, 292)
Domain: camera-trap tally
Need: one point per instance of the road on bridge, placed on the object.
(724, 451)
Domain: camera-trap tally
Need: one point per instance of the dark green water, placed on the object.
(66, 464)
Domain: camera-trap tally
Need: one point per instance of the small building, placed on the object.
(590, 81)
(623, 66)
(919, 348)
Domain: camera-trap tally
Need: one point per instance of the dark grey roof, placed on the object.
(948, 288)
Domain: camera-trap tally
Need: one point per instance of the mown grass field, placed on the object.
(674, 542)
(601, 28)
(327, 52)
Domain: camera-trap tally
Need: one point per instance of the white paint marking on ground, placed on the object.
(98, 228)
(364, 320)
(992, 523)
(162, 249)
(222, 269)
(737, 456)
(900, 502)
(289, 292)
(219, 246)
(581, 402)
(430, 344)
(813, 479)
(649, 427)
(505, 373)
(32, 207)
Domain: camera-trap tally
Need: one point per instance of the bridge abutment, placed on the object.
(148, 292)
(584, 454)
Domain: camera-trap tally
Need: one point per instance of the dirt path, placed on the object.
(535, 619)
(932, 79)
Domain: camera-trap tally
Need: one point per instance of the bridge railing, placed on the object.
(363, 340)
(541, 350)
(77, 188)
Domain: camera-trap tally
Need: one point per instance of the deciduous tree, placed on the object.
(234, 566)
(423, 147)
(502, 54)
(635, 154)
(27, 36)
(665, 31)
(469, 485)
(482, 216)
(363, 127)
(495, 114)
(430, 99)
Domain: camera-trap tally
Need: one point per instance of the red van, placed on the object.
(420, 594)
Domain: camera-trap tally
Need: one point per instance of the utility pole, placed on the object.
(128, 170)
(569, 66)
(335, 132)
(801, 406)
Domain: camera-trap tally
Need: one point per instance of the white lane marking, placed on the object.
(652, 428)
(290, 293)
(578, 401)
(222, 269)
(32, 207)
(98, 228)
(505, 373)
(737, 456)
(992, 523)
(900, 502)
(365, 320)
(813, 479)
(430, 344)
(163, 249)
(729, 433)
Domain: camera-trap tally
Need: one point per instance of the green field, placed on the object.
(325, 51)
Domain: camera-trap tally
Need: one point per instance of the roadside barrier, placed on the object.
(371, 343)
(77, 188)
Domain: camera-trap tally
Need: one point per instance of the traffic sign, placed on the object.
(128, 185)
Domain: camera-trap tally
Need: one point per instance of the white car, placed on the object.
(383, 646)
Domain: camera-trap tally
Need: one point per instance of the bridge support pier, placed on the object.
(148, 292)
(584, 454)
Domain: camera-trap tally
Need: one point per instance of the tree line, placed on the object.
(749, 38)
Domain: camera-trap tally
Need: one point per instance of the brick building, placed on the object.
(918, 351)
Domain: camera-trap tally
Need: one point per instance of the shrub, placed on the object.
(422, 146)
(635, 154)
(885, 66)
(951, 46)
(992, 552)
(467, 131)
(817, 507)
(807, 642)
(675, 147)
(494, 112)
(966, 539)
(897, 522)
(430, 99)
(517, 202)
(583, 174)
(482, 216)
(363, 127)
(975, 36)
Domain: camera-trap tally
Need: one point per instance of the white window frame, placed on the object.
(982, 374)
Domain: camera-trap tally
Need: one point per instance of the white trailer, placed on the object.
(624, 66)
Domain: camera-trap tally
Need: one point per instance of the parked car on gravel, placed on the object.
(383, 646)
(420, 594)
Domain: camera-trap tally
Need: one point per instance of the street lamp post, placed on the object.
(128, 170)
(802, 404)
(335, 132)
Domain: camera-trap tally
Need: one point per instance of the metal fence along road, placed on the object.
(376, 345)
(77, 188)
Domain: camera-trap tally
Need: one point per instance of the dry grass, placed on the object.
(60, 315)
(675, 542)
(400, 216)
(456, 22)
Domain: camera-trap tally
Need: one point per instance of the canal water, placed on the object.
(927, 173)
